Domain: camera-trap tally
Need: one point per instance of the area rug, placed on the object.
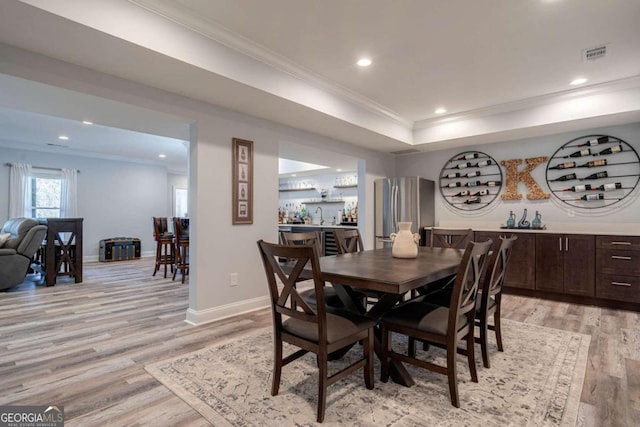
(536, 381)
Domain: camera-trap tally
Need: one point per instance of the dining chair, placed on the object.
(317, 329)
(165, 254)
(445, 238)
(349, 241)
(450, 238)
(311, 238)
(181, 231)
(489, 302)
(438, 325)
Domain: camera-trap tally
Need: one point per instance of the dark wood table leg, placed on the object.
(397, 371)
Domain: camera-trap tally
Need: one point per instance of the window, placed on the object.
(45, 193)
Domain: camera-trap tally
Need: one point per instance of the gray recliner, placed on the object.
(19, 249)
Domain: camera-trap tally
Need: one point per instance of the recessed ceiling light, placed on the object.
(87, 122)
(338, 170)
(441, 110)
(162, 156)
(63, 137)
(364, 62)
(578, 81)
(293, 174)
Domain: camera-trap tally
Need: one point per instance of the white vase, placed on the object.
(405, 244)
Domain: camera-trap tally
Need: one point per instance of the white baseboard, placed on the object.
(214, 314)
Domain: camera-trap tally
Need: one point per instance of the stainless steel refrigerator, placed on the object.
(407, 199)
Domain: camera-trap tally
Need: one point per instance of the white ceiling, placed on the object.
(500, 67)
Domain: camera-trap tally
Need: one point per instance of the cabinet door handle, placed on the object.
(621, 284)
(626, 258)
(560, 243)
(566, 244)
(621, 243)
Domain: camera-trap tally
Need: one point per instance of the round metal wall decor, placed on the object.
(470, 180)
(593, 171)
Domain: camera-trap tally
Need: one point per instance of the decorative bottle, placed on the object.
(595, 141)
(523, 223)
(611, 150)
(594, 163)
(537, 221)
(511, 222)
(610, 186)
(599, 175)
(405, 244)
(588, 197)
(566, 165)
(578, 188)
(468, 156)
(581, 153)
(568, 177)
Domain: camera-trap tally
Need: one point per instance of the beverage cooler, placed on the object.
(407, 199)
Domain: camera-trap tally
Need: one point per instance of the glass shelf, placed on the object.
(297, 189)
(346, 186)
(311, 201)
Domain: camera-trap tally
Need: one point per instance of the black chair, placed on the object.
(438, 325)
(312, 329)
(165, 250)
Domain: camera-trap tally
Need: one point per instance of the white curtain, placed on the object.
(69, 194)
(20, 191)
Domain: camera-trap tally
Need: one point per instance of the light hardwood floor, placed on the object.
(85, 346)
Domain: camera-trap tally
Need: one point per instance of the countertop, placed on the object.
(601, 229)
(318, 226)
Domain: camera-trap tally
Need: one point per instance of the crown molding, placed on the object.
(188, 18)
(537, 101)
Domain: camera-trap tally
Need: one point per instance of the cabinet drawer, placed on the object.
(621, 288)
(624, 243)
(614, 261)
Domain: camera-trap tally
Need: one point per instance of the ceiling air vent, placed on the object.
(409, 151)
(594, 53)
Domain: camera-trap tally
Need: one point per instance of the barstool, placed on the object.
(181, 231)
(165, 254)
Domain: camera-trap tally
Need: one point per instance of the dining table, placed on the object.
(378, 270)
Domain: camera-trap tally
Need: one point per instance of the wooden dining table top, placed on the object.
(378, 270)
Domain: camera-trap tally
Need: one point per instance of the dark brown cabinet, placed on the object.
(565, 263)
(521, 271)
(618, 268)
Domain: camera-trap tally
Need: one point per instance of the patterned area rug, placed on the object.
(537, 381)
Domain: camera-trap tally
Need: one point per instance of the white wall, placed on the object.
(429, 165)
(217, 247)
(114, 198)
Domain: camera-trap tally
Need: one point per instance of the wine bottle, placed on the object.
(578, 188)
(474, 173)
(473, 184)
(568, 177)
(581, 153)
(480, 193)
(595, 141)
(610, 186)
(482, 164)
(566, 165)
(598, 175)
(594, 163)
(454, 175)
(454, 184)
(462, 165)
(462, 193)
(469, 156)
(471, 201)
(611, 150)
(598, 196)
(492, 183)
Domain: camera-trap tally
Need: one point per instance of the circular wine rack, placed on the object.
(593, 171)
(470, 180)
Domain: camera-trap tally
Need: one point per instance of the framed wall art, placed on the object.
(242, 180)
